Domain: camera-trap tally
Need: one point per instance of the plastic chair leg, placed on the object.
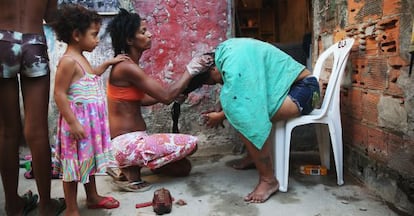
(280, 149)
(336, 137)
(322, 135)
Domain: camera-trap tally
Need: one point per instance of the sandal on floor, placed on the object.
(61, 205)
(29, 174)
(30, 202)
(116, 174)
(105, 203)
(137, 186)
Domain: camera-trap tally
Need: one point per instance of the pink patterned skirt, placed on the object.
(151, 150)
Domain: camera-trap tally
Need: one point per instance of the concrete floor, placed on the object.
(214, 189)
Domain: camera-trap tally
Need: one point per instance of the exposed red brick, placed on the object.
(376, 74)
(389, 39)
(396, 62)
(377, 146)
(369, 108)
(355, 133)
(351, 103)
(393, 88)
(391, 7)
(339, 34)
(347, 125)
(371, 47)
(354, 8)
(359, 67)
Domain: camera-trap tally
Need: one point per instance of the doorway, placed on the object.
(285, 23)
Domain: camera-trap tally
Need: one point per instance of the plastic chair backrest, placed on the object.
(340, 51)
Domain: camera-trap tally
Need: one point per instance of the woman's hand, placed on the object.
(199, 64)
(214, 119)
(76, 131)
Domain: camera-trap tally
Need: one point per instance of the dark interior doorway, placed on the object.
(285, 23)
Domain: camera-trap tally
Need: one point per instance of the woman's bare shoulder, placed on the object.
(127, 70)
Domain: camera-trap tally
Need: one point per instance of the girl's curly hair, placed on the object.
(71, 17)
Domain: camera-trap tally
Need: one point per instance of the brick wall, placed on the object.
(377, 102)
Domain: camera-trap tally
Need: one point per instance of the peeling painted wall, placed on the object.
(378, 96)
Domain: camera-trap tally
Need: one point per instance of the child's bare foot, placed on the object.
(263, 191)
(242, 164)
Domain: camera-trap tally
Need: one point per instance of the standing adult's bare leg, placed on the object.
(10, 139)
(262, 158)
(36, 103)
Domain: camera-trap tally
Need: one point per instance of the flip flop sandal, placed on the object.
(105, 203)
(29, 174)
(61, 205)
(132, 186)
(30, 202)
(116, 175)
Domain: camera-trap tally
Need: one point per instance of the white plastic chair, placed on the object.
(328, 115)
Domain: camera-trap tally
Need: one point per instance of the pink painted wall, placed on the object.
(181, 29)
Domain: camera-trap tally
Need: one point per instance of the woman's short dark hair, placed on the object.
(71, 17)
(122, 27)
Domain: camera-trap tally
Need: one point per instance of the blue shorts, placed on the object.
(305, 94)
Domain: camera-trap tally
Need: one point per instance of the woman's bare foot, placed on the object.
(263, 191)
(242, 164)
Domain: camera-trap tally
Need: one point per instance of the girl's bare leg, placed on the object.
(70, 190)
(92, 196)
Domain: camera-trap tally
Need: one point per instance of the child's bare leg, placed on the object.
(70, 190)
(94, 200)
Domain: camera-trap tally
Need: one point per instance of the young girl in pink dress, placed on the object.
(83, 141)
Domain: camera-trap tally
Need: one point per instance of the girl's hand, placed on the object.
(77, 132)
(119, 58)
(214, 119)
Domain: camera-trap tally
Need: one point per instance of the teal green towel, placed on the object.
(256, 80)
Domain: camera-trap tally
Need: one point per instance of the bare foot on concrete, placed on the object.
(263, 191)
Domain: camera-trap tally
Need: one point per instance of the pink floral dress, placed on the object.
(76, 161)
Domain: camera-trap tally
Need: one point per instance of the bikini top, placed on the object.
(130, 93)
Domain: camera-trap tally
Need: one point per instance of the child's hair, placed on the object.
(122, 27)
(195, 83)
(71, 17)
